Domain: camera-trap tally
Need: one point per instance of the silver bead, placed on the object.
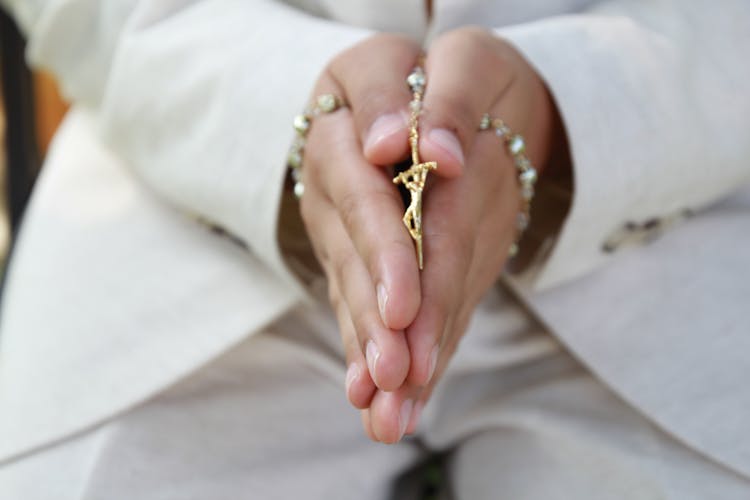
(415, 106)
(513, 250)
(416, 80)
(299, 189)
(327, 103)
(485, 123)
(516, 145)
(301, 124)
(294, 159)
(523, 163)
(528, 177)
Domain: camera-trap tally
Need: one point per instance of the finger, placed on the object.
(492, 238)
(390, 414)
(495, 235)
(416, 415)
(385, 350)
(377, 91)
(423, 396)
(467, 72)
(495, 222)
(371, 210)
(358, 383)
(395, 414)
(452, 210)
(469, 224)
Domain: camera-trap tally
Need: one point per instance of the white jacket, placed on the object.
(183, 111)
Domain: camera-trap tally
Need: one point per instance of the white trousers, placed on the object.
(516, 416)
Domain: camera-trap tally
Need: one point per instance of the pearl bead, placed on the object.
(327, 103)
(294, 159)
(299, 189)
(416, 81)
(529, 176)
(301, 124)
(516, 145)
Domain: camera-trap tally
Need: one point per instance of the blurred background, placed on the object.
(30, 111)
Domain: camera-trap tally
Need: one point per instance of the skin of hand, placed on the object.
(400, 327)
(352, 211)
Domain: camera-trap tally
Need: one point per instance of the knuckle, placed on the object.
(350, 59)
(463, 39)
(473, 40)
(381, 99)
(466, 35)
(396, 37)
(321, 255)
(313, 156)
(489, 56)
(344, 265)
(323, 138)
(311, 221)
(389, 249)
(393, 39)
(314, 162)
(357, 207)
(335, 68)
(350, 208)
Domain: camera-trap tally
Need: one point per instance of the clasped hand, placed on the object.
(401, 326)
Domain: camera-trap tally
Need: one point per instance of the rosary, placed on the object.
(414, 177)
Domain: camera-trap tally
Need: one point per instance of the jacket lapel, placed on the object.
(112, 296)
(667, 327)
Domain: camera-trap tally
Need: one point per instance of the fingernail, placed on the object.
(372, 354)
(447, 140)
(352, 374)
(382, 301)
(404, 416)
(384, 126)
(415, 416)
(433, 362)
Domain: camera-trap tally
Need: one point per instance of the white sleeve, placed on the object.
(654, 100)
(196, 96)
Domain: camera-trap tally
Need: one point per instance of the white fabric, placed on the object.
(685, 300)
(112, 294)
(74, 349)
(516, 415)
(647, 125)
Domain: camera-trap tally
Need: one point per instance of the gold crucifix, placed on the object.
(415, 177)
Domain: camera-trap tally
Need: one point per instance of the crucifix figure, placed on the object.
(415, 177)
(414, 180)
